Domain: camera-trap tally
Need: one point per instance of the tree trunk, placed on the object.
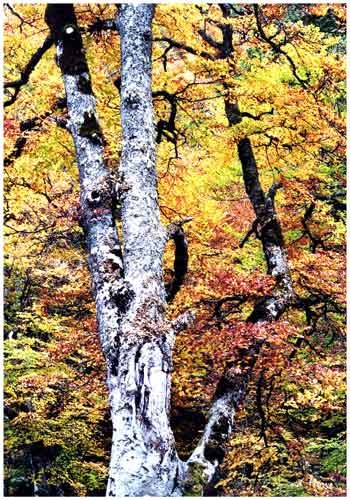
(203, 465)
(127, 282)
(233, 385)
(144, 459)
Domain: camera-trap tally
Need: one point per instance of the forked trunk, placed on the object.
(127, 282)
(127, 278)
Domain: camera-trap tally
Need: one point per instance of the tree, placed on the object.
(126, 241)
(128, 286)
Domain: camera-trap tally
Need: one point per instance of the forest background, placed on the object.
(274, 75)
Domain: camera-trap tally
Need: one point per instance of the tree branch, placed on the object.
(237, 300)
(176, 233)
(251, 176)
(29, 125)
(246, 114)
(207, 38)
(178, 45)
(103, 25)
(259, 405)
(27, 71)
(277, 48)
(224, 48)
(314, 241)
(164, 126)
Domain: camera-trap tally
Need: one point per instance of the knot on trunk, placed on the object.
(84, 84)
(132, 100)
(90, 127)
(100, 194)
(122, 295)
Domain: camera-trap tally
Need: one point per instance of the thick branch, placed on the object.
(103, 25)
(96, 190)
(251, 176)
(267, 215)
(224, 48)
(235, 302)
(211, 449)
(177, 234)
(246, 114)
(314, 240)
(337, 201)
(164, 126)
(209, 39)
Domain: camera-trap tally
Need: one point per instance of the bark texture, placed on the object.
(144, 459)
(270, 233)
(104, 251)
(127, 281)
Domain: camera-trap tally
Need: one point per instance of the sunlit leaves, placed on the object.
(56, 400)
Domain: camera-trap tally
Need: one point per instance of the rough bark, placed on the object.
(144, 459)
(105, 260)
(127, 282)
(270, 233)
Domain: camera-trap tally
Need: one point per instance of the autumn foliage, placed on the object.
(289, 434)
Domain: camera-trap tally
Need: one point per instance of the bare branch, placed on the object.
(224, 48)
(207, 38)
(277, 47)
(246, 114)
(27, 71)
(178, 45)
(176, 233)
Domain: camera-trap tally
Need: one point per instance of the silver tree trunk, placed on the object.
(127, 282)
(144, 459)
